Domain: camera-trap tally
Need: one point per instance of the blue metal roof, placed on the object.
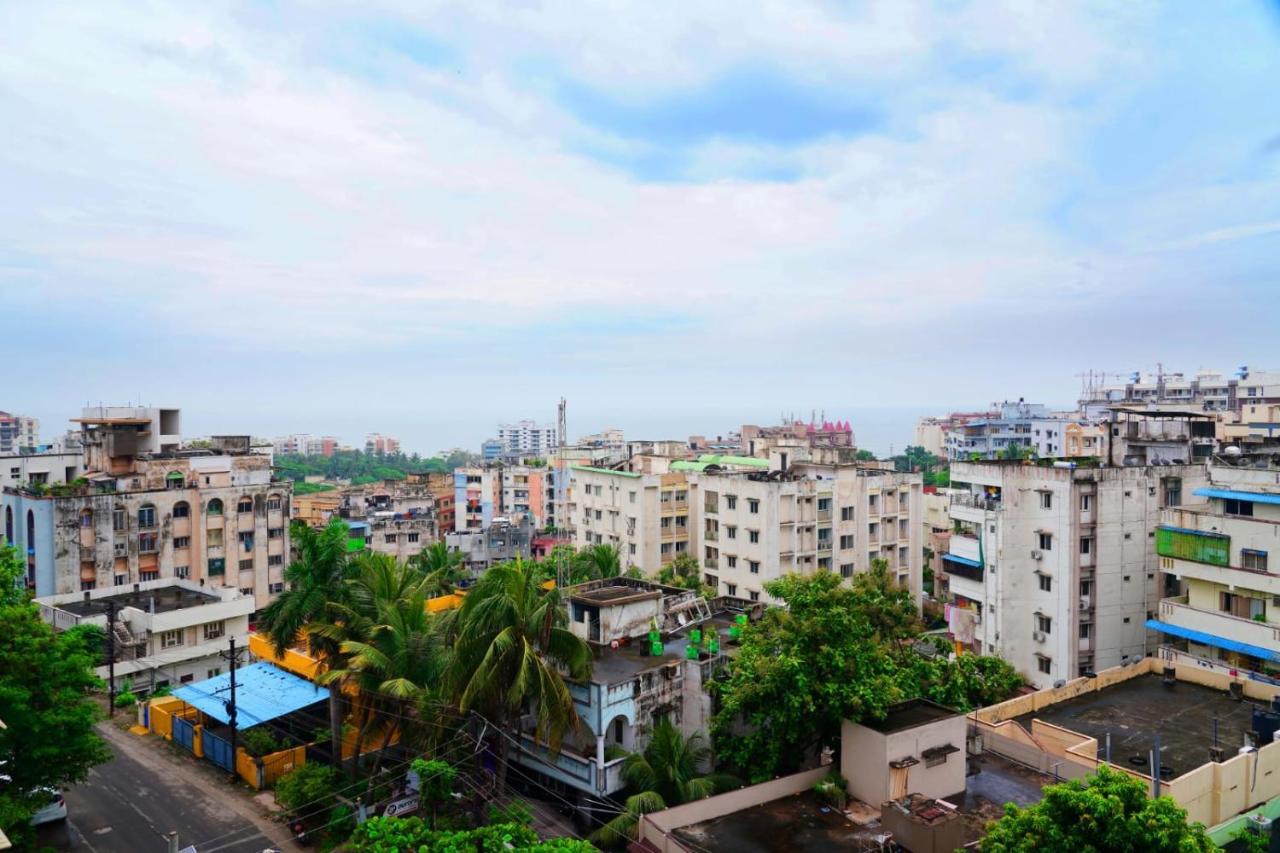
(1215, 641)
(1193, 531)
(1234, 495)
(964, 561)
(263, 692)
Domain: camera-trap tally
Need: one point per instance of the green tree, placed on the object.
(316, 578)
(865, 456)
(600, 561)
(441, 567)
(49, 739)
(1109, 811)
(509, 649)
(665, 774)
(13, 577)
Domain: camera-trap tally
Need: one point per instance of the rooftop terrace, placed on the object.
(163, 599)
(631, 659)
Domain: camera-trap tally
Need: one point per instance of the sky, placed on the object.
(425, 218)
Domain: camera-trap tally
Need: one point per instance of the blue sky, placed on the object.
(424, 218)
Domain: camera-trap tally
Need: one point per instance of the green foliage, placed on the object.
(301, 488)
(516, 811)
(258, 742)
(160, 692)
(355, 465)
(13, 577)
(833, 788)
(865, 456)
(1107, 811)
(310, 783)
(838, 651)
(49, 740)
(436, 779)
(1248, 841)
(126, 699)
(397, 835)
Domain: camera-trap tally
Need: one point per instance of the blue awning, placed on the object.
(263, 692)
(964, 561)
(1215, 641)
(1234, 495)
(1194, 532)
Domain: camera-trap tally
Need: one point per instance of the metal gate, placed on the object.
(218, 750)
(184, 732)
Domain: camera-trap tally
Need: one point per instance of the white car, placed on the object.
(55, 811)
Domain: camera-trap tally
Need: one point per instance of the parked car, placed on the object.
(56, 809)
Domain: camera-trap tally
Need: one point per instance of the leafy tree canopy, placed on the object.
(1107, 811)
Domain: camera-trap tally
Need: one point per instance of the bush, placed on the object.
(310, 783)
(833, 788)
(160, 692)
(394, 834)
(259, 742)
(126, 699)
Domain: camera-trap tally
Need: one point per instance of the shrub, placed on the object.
(259, 742)
(126, 699)
(310, 783)
(833, 788)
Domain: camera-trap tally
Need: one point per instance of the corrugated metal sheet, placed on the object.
(1214, 640)
(263, 692)
(1194, 545)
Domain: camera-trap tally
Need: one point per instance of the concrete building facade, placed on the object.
(526, 438)
(18, 433)
(1019, 427)
(646, 517)
(1053, 568)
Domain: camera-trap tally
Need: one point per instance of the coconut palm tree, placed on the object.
(509, 647)
(315, 579)
(441, 567)
(665, 774)
(601, 561)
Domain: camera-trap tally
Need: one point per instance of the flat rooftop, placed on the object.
(909, 714)
(166, 598)
(1133, 711)
(628, 661)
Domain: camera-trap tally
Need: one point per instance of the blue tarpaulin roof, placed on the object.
(1234, 495)
(964, 561)
(263, 692)
(1215, 641)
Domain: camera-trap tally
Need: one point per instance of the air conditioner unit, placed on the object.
(1038, 636)
(1036, 554)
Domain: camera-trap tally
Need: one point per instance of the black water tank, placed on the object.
(1266, 724)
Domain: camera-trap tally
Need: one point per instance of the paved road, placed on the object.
(129, 803)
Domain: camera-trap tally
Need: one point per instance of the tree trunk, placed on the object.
(504, 749)
(335, 724)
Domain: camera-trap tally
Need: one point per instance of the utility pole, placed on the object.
(111, 658)
(231, 705)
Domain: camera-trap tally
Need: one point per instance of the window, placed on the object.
(824, 563)
(631, 549)
(1046, 541)
(731, 561)
(214, 507)
(120, 580)
(1044, 623)
(214, 630)
(1046, 500)
(754, 565)
(1086, 503)
(1235, 507)
(731, 532)
(413, 537)
(275, 559)
(148, 542)
(1044, 664)
(275, 503)
(846, 540)
(214, 538)
(1172, 491)
(146, 516)
(275, 588)
(600, 515)
(169, 639)
(389, 538)
(86, 518)
(117, 518)
(276, 532)
(632, 496)
(151, 575)
(824, 504)
(731, 501)
(871, 502)
(1046, 583)
(213, 673)
(181, 571)
(245, 505)
(753, 536)
(182, 541)
(1086, 630)
(753, 506)
(846, 570)
(1086, 545)
(731, 589)
(246, 539)
(1251, 559)
(187, 679)
(755, 596)
(246, 565)
(182, 509)
(824, 536)
(846, 513)
(217, 566)
(87, 585)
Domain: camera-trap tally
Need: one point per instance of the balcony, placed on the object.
(965, 547)
(1176, 612)
(711, 535)
(711, 562)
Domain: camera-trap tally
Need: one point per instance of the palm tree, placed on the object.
(392, 650)
(601, 561)
(441, 567)
(316, 578)
(665, 774)
(509, 648)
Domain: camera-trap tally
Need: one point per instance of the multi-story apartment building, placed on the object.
(41, 469)
(1019, 428)
(1206, 390)
(381, 445)
(166, 632)
(1222, 604)
(500, 542)
(1053, 567)
(931, 432)
(646, 517)
(527, 492)
(18, 433)
(475, 497)
(304, 444)
(491, 450)
(526, 439)
(151, 511)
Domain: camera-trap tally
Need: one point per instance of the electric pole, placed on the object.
(231, 705)
(111, 658)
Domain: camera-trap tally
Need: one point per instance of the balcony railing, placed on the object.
(976, 502)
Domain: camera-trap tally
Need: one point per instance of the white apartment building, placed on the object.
(1018, 427)
(41, 469)
(1053, 568)
(1223, 605)
(166, 632)
(646, 517)
(1205, 390)
(18, 433)
(527, 438)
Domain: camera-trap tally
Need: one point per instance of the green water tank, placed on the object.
(691, 652)
(655, 648)
(695, 636)
(713, 643)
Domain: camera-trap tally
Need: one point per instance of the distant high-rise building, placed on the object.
(18, 433)
(380, 444)
(491, 449)
(1206, 390)
(527, 438)
(303, 444)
